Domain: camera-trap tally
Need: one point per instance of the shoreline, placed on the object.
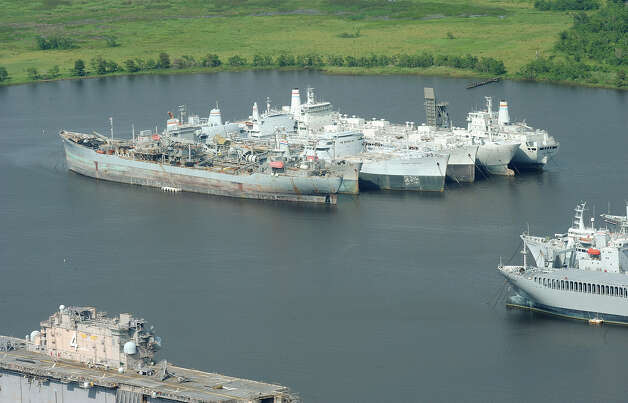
(330, 70)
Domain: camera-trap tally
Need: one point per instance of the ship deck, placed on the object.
(181, 384)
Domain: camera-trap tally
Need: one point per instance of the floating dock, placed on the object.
(480, 83)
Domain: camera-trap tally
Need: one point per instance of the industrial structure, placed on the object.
(81, 355)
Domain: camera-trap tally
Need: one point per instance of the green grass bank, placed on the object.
(511, 31)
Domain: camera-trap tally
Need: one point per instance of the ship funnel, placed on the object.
(503, 117)
(215, 117)
(255, 112)
(295, 103)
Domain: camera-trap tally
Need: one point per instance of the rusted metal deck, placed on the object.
(162, 382)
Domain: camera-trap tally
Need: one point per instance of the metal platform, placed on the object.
(162, 382)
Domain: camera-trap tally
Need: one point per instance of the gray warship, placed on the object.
(582, 274)
(80, 354)
(536, 147)
(217, 167)
(382, 167)
(314, 128)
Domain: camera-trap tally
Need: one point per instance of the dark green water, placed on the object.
(387, 297)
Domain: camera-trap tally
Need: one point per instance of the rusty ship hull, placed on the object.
(112, 167)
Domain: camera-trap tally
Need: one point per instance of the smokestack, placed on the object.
(215, 117)
(255, 112)
(503, 118)
(295, 103)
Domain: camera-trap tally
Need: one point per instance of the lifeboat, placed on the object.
(586, 240)
(276, 164)
(593, 252)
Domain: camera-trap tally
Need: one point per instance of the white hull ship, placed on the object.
(314, 125)
(535, 147)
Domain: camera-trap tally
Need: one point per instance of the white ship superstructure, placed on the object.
(382, 166)
(195, 129)
(536, 147)
(269, 122)
(582, 274)
(466, 151)
(462, 154)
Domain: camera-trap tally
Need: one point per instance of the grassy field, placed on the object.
(511, 31)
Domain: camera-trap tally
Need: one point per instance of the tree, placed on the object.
(79, 68)
(141, 64)
(151, 64)
(33, 74)
(285, 59)
(211, 60)
(99, 65)
(55, 42)
(259, 60)
(130, 65)
(237, 61)
(620, 80)
(335, 60)
(111, 66)
(4, 75)
(53, 72)
(164, 61)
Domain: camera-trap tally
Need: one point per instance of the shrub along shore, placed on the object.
(530, 40)
(163, 63)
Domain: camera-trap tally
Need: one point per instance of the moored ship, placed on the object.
(536, 147)
(81, 354)
(585, 276)
(224, 171)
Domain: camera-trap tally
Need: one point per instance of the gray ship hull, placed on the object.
(461, 165)
(567, 313)
(546, 291)
(350, 172)
(85, 161)
(410, 174)
(495, 157)
(533, 157)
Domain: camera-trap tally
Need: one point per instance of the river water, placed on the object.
(385, 297)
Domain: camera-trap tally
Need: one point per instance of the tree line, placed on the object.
(564, 5)
(101, 66)
(597, 41)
